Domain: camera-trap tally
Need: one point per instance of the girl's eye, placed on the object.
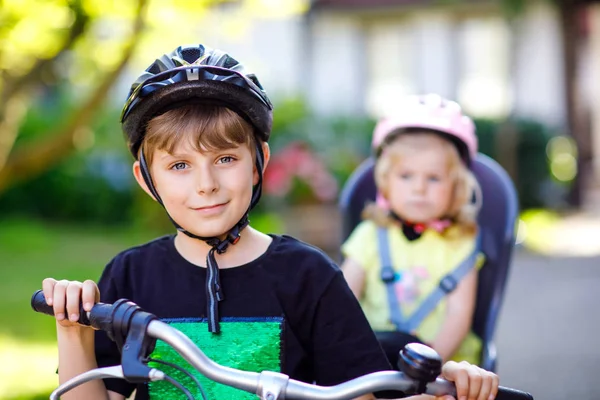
(434, 179)
(179, 165)
(404, 175)
(225, 160)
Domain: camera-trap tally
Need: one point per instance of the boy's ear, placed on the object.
(267, 156)
(137, 173)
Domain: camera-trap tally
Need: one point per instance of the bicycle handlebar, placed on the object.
(125, 317)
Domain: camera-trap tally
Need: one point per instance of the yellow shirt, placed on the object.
(421, 264)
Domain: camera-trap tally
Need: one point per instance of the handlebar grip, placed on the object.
(101, 317)
(38, 303)
(505, 393)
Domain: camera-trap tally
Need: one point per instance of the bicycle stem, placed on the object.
(244, 380)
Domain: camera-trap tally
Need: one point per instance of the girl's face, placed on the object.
(420, 184)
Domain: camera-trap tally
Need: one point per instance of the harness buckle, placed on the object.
(448, 284)
(388, 275)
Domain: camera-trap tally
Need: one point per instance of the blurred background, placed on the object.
(527, 71)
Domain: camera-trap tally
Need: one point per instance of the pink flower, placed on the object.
(296, 160)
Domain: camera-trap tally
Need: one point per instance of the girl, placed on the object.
(413, 261)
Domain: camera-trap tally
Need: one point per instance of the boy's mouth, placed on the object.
(212, 207)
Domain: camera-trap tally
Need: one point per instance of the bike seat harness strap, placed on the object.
(446, 285)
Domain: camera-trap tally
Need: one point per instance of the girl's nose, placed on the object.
(419, 185)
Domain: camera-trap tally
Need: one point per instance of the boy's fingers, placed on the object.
(73, 300)
(89, 294)
(59, 299)
(48, 290)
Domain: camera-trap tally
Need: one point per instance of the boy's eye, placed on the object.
(225, 160)
(179, 165)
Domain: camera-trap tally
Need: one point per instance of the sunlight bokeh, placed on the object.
(27, 369)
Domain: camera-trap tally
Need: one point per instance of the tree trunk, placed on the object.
(35, 158)
(16, 91)
(576, 113)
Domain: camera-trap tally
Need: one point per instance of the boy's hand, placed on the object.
(67, 295)
(472, 382)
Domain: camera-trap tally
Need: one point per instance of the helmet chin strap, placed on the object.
(214, 290)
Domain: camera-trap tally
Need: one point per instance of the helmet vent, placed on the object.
(190, 55)
(154, 69)
(253, 78)
(230, 62)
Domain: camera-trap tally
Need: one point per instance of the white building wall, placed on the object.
(538, 71)
(337, 70)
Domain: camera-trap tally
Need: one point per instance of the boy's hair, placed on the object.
(463, 211)
(206, 127)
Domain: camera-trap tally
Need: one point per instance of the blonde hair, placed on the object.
(204, 126)
(462, 211)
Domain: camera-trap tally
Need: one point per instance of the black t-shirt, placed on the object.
(293, 298)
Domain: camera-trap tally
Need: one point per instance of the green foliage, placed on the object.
(40, 396)
(520, 147)
(341, 142)
(35, 30)
(89, 186)
(31, 251)
(47, 112)
(97, 185)
(510, 8)
(513, 8)
(78, 189)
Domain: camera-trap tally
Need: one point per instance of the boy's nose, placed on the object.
(206, 182)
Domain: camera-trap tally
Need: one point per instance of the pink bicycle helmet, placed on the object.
(430, 112)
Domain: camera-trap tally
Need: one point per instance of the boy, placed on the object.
(198, 125)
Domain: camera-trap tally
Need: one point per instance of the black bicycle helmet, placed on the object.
(195, 74)
(199, 74)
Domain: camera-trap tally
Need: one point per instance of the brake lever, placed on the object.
(138, 346)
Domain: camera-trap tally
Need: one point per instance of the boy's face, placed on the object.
(207, 192)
